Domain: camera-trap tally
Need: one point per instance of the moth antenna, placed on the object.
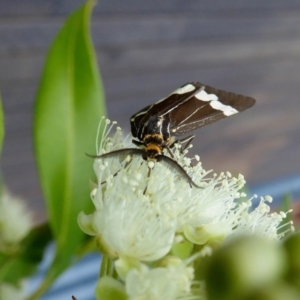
(178, 168)
(115, 153)
(141, 152)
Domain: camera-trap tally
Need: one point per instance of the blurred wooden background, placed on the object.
(146, 49)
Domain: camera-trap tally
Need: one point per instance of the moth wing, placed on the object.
(136, 120)
(163, 106)
(206, 107)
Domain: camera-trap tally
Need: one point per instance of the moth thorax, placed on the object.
(154, 125)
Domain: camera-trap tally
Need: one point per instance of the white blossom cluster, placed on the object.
(15, 221)
(142, 220)
(10, 291)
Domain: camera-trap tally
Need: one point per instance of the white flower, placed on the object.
(12, 292)
(140, 207)
(166, 283)
(15, 221)
(128, 227)
(129, 198)
(143, 209)
(126, 223)
(260, 221)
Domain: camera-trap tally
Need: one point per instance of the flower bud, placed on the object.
(276, 291)
(292, 248)
(242, 265)
(109, 289)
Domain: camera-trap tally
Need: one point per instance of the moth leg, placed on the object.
(138, 143)
(186, 140)
(148, 176)
(169, 151)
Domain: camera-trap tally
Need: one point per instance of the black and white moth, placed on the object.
(159, 126)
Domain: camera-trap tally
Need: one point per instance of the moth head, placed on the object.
(152, 150)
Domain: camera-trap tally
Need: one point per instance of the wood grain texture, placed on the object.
(145, 51)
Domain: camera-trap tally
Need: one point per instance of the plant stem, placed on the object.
(59, 264)
(110, 267)
(104, 263)
(107, 266)
(48, 280)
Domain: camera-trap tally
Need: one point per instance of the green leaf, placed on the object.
(23, 263)
(1, 125)
(68, 108)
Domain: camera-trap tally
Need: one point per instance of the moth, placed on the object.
(171, 120)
